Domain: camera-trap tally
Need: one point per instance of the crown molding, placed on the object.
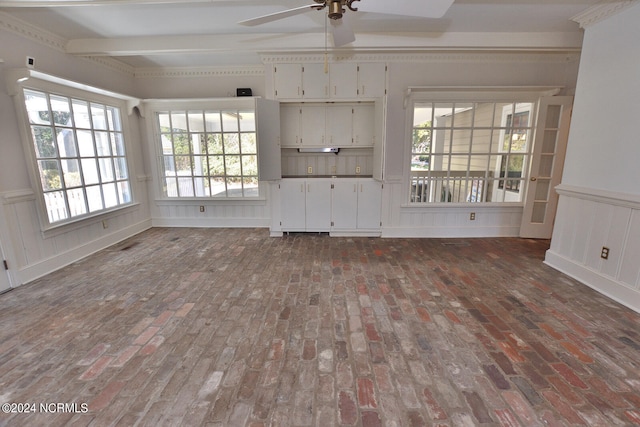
(422, 57)
(195, 72)
(602, 11)
(24, 29)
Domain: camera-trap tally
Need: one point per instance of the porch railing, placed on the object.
(449, 186)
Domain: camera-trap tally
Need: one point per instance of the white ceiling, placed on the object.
(188, 33)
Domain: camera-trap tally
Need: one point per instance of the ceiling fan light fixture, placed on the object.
(335, 9)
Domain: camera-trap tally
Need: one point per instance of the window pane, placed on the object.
(77, 205)
(421, 140)
(183, 165)
(81, 114)
(110, 195)
(216, 165)
(121, 168)
(247, 121)
(196, 122)
(218, 187)
(214, 144)
(232, 164)
(248, 143)
(98, 117)
(117, 144)
(106, 169)
(56, 206)
(202, 186)
(71, 170)
(164, 120)
(464, 114)
(212, 122)
(94, 198)
(234, 187)
(37, 107)
(198, 143)
(231, 143)
(249, 165)
(171, 187)
(89, 171)
(185, 187)
(113, 118)
(230, 121)
(103, 144)
(61, 111)
(124, 192)
(250, 186)
(43, 141)
(50, 174)
(85, 143)
(66, 142)
(179, 121)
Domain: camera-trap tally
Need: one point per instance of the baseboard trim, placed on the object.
(619, 292)
(211, 222)
(46, 266)
(450, 232)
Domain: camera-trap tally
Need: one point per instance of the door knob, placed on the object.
(533, 178)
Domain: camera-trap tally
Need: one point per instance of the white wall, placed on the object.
(462, 70)
(30, 252)
(600, 195)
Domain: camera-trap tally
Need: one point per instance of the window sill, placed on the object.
(485, 205)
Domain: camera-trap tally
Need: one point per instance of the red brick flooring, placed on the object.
(234, 328)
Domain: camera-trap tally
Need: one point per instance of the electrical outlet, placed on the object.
(472, 216)
(309, 169)
(357, 170)
(201, 208)
(604, 254)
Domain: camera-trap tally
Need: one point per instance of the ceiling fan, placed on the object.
(340, 26)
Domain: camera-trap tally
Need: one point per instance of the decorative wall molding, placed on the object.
(193, 72)
(602, 11)
(468, 56)
(600, 196)
(24, 29)
(17, 196)
(112, 64)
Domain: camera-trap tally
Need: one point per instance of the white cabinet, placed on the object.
(305, 205)
(339, 125)
(342, 80)
(342, 206)
(356, 205)
(297, 81)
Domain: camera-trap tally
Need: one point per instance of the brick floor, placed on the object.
(234, 328)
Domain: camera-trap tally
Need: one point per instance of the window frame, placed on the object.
(20, 80)
(153, 107)
(467, 95)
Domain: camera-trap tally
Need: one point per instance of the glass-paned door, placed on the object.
(550, 144)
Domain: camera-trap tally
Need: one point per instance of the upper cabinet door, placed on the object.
(290, 125)
(344, 80)
(372, 80)
(312, 124)
(339, 127)
(288, 81)
(364, 124)
(315, 82)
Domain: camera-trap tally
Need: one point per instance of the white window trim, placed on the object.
(16, 80)
(149, 109)
(417, 94)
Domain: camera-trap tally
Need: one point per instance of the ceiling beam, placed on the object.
(65, 3)
(160, 45)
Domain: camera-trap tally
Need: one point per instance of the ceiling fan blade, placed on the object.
(342, 31)
(277, 15)
(424, 9)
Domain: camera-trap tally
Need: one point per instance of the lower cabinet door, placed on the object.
(369, 204)
(293, 204)
(318, 205)
(345, 205)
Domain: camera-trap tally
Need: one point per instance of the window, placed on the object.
(80, 154)
(209, 153)
(469, 152)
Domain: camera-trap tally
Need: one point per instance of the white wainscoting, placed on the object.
(34, 253)
(588, 220)
(221, 214)
(445, 220)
